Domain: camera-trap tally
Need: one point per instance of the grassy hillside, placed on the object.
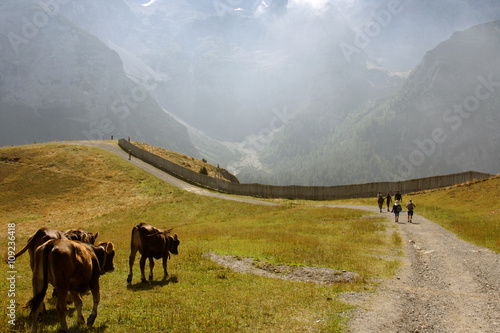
(74, 186)
(470, 210)
(186, 161)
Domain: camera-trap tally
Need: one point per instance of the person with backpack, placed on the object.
(410, 205)
(380, 201)
(396, 209)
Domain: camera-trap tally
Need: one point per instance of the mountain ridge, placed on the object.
(59, 82)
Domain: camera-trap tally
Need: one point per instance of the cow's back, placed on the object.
(45, 234)
(67, 261)
(148, 240)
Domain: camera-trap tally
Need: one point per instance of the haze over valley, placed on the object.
(301, 92)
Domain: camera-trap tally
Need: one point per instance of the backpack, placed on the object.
(399, 208)
(410, 205)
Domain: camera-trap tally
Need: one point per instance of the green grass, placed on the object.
(471, 210)
(73, 186)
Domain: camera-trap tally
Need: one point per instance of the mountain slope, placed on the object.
(59, 83)
(444, 119)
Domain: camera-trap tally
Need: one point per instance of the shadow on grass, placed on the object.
(147, 285)
(50, 319)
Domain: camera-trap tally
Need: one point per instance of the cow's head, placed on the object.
(174, 243)
(109, 254)
(81, 235)
(90, 237)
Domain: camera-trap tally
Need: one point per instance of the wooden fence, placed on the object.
(301, 192)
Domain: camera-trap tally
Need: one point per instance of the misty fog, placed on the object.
(265, 88)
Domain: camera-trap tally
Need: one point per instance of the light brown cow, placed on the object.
(152, 243)
(44, 234)
(73, 267)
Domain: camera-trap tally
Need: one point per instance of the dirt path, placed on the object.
(115, 149)
(445, 284)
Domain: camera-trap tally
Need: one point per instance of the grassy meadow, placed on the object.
(470, 210)
(66, 186)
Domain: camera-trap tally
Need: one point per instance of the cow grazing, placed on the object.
(73, 267)
(152, 243)
(44, 234)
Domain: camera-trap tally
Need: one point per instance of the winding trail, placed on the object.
(445, 284)
(115, 149)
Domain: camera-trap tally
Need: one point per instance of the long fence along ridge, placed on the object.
(300, 192)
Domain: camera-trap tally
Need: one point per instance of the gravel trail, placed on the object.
(445, 285)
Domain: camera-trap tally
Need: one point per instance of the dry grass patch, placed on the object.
(470, 210)
(186, 161)
(55, 185)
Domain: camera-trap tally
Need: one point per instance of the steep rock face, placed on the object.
(59, 82)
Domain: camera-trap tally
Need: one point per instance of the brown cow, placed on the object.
(44, 234)
(73, 267)
(81, 235)
(152, 243)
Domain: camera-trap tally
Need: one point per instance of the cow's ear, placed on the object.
(175, 236)
(110, 247)
(96, 234)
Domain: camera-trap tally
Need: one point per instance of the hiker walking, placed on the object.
(396, 209)
(398, 196)
(380, 201)
(388, 198)
(410, 205)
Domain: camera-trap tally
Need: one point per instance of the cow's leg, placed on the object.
(38, 285)
(77, 300)
(131, 260)
(62, 292)
(165, 273)
(96, 297)
(142, 265)
(37, 288)
(151, 265)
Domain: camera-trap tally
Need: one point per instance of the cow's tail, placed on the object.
(37, 300)
(135, 240)
(28, 245)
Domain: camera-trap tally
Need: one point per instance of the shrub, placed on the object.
(203, 170)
